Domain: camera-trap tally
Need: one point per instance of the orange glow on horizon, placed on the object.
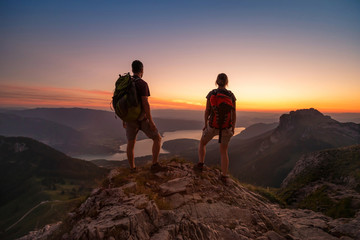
(32, 97)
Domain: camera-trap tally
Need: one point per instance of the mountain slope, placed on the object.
(179, 203)
(326, 181)
(32, 172)
(268, 158)
(256, 130)
(97, 126)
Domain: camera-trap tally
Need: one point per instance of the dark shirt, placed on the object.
(142, 88)
(223, 91)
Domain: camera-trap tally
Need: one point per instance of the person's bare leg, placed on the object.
(224, 159)
(156, 149)
(202, 151)
(130, 152)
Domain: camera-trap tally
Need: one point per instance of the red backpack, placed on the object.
(220, 116)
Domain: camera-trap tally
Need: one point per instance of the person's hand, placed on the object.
(205, 127)
(124, 124)
(233, 130)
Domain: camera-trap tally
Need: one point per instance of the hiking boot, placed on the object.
(156, 167)
(199, 167)
(225, 179)
(133, 170)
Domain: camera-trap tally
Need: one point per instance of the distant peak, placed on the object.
(306, 112)
(302, 117)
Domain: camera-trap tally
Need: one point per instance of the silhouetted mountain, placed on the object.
(32, 172)
(327, 181)
(76, 118)
(79, 131)
(268, 158)
(91, 123)
(194, 115)
(346, 117)
(244, 118)
(45, 131)
(61, 137)
(255, 130)
(169, 125)
(99, 123)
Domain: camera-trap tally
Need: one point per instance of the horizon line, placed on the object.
(19, 107)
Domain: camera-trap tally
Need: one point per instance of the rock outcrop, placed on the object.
(180, 203)
(329, 178)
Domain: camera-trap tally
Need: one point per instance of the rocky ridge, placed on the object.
(180, 203)
(311, 124)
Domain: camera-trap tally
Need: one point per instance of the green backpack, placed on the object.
(125, 101)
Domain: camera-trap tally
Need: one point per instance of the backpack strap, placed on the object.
(212, 112)
(135, 78)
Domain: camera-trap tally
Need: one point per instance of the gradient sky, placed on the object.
(279, 55)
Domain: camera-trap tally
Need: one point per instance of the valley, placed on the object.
(32, 172)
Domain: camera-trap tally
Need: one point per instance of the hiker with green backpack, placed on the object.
(130, 102)
(220, 118)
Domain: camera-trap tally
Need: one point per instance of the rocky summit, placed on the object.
(181, 203)
(303, 117)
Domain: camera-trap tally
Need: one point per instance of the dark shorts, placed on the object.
(209, 133)
(132, 129)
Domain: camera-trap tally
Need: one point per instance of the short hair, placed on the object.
(222, 80)
(137, 66)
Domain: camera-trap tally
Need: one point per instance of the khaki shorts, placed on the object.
(209, 133)
(132, 129)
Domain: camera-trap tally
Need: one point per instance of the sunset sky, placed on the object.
(279, 55)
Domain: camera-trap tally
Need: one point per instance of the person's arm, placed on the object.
(207, 114)
(233, 117)
(146, 106)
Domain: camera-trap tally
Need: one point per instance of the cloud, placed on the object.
(14, 95)
(28, 96)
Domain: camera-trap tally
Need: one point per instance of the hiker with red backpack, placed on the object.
(220, 118)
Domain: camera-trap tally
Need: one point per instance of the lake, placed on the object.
(144, 147)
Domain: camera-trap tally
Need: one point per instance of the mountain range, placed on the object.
(77, 131)
(244, 118)
(59, 136)
(256, 129)
(266, 159)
